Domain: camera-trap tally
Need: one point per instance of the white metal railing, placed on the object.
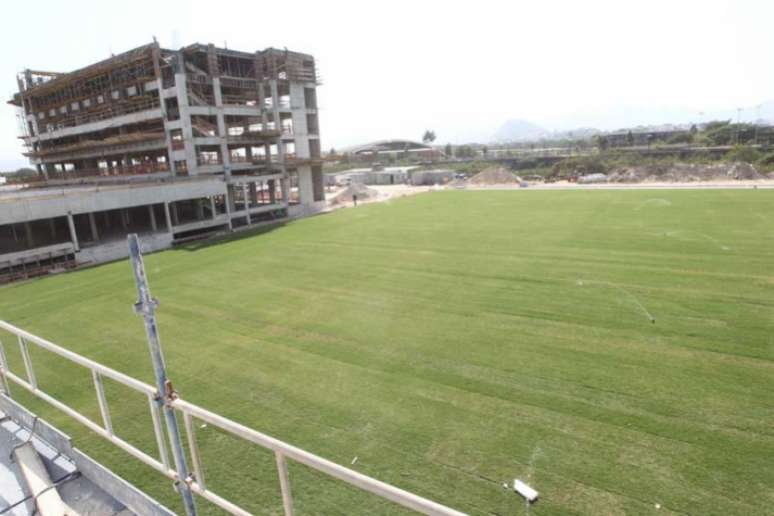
(196, 482)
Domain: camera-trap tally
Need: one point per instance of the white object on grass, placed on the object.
(524, 490)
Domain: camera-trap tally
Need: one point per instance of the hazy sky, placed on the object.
(392, 69)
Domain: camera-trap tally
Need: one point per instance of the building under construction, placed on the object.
(171, 144)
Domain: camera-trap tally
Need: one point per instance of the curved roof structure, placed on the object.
(388, 146)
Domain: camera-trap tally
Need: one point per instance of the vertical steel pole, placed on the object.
(146, 306)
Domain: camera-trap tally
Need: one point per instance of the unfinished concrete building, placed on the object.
(173, 144)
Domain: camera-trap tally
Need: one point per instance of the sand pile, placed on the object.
(361, 190)
(495, 176)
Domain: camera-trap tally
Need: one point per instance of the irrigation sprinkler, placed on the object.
(146, 306)
(631, 296)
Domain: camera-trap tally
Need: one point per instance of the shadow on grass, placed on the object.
(232, 237)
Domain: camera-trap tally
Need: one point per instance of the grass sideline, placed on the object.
(452, 342)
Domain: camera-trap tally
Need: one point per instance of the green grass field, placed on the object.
(452, 342)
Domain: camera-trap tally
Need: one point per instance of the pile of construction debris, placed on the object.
(361, 191)
(683, 173)
(590, 179)
(495, 176)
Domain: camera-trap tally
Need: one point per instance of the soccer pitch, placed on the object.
(613, 349)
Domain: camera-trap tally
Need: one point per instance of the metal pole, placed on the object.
(146, 306)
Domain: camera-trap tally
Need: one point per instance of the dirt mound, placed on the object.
(355, 189)
(683, 173)
(495, 176)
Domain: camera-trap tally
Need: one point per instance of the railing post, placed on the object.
(146, 306)
(158, 430)
(25, 352)
(282, 471)
(3, 370)
(194, 449)
(102, 401)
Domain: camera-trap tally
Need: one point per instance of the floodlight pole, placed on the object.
(146, 306)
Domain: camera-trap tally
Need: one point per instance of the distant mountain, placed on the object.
(623, 117)
(519, 130)
(637, 118)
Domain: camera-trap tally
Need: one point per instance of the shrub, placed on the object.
(743, 154)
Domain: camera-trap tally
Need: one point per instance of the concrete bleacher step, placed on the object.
(33, 455)
(38, 482)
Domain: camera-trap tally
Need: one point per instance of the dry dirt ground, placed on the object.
(386, 193)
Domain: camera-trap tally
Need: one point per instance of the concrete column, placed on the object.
(199, 210)
(52, 228)
(272, 191)
(164, 115)
(246, 202)
(185, 123)
(212, 207)
(262, 103)
(285, 186)
(300, 130)
(175, 218)
(30, 237)
(305, 186)
(93, 224)
(168, 217)
(73, 234)
(276, 118)
(33, 120)
(318, 183)
(229, 200)
(222, 132)
(218, 95)
(253, 193)
(152, 215)
(275, 102)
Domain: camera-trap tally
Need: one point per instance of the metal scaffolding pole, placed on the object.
(146, 306)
